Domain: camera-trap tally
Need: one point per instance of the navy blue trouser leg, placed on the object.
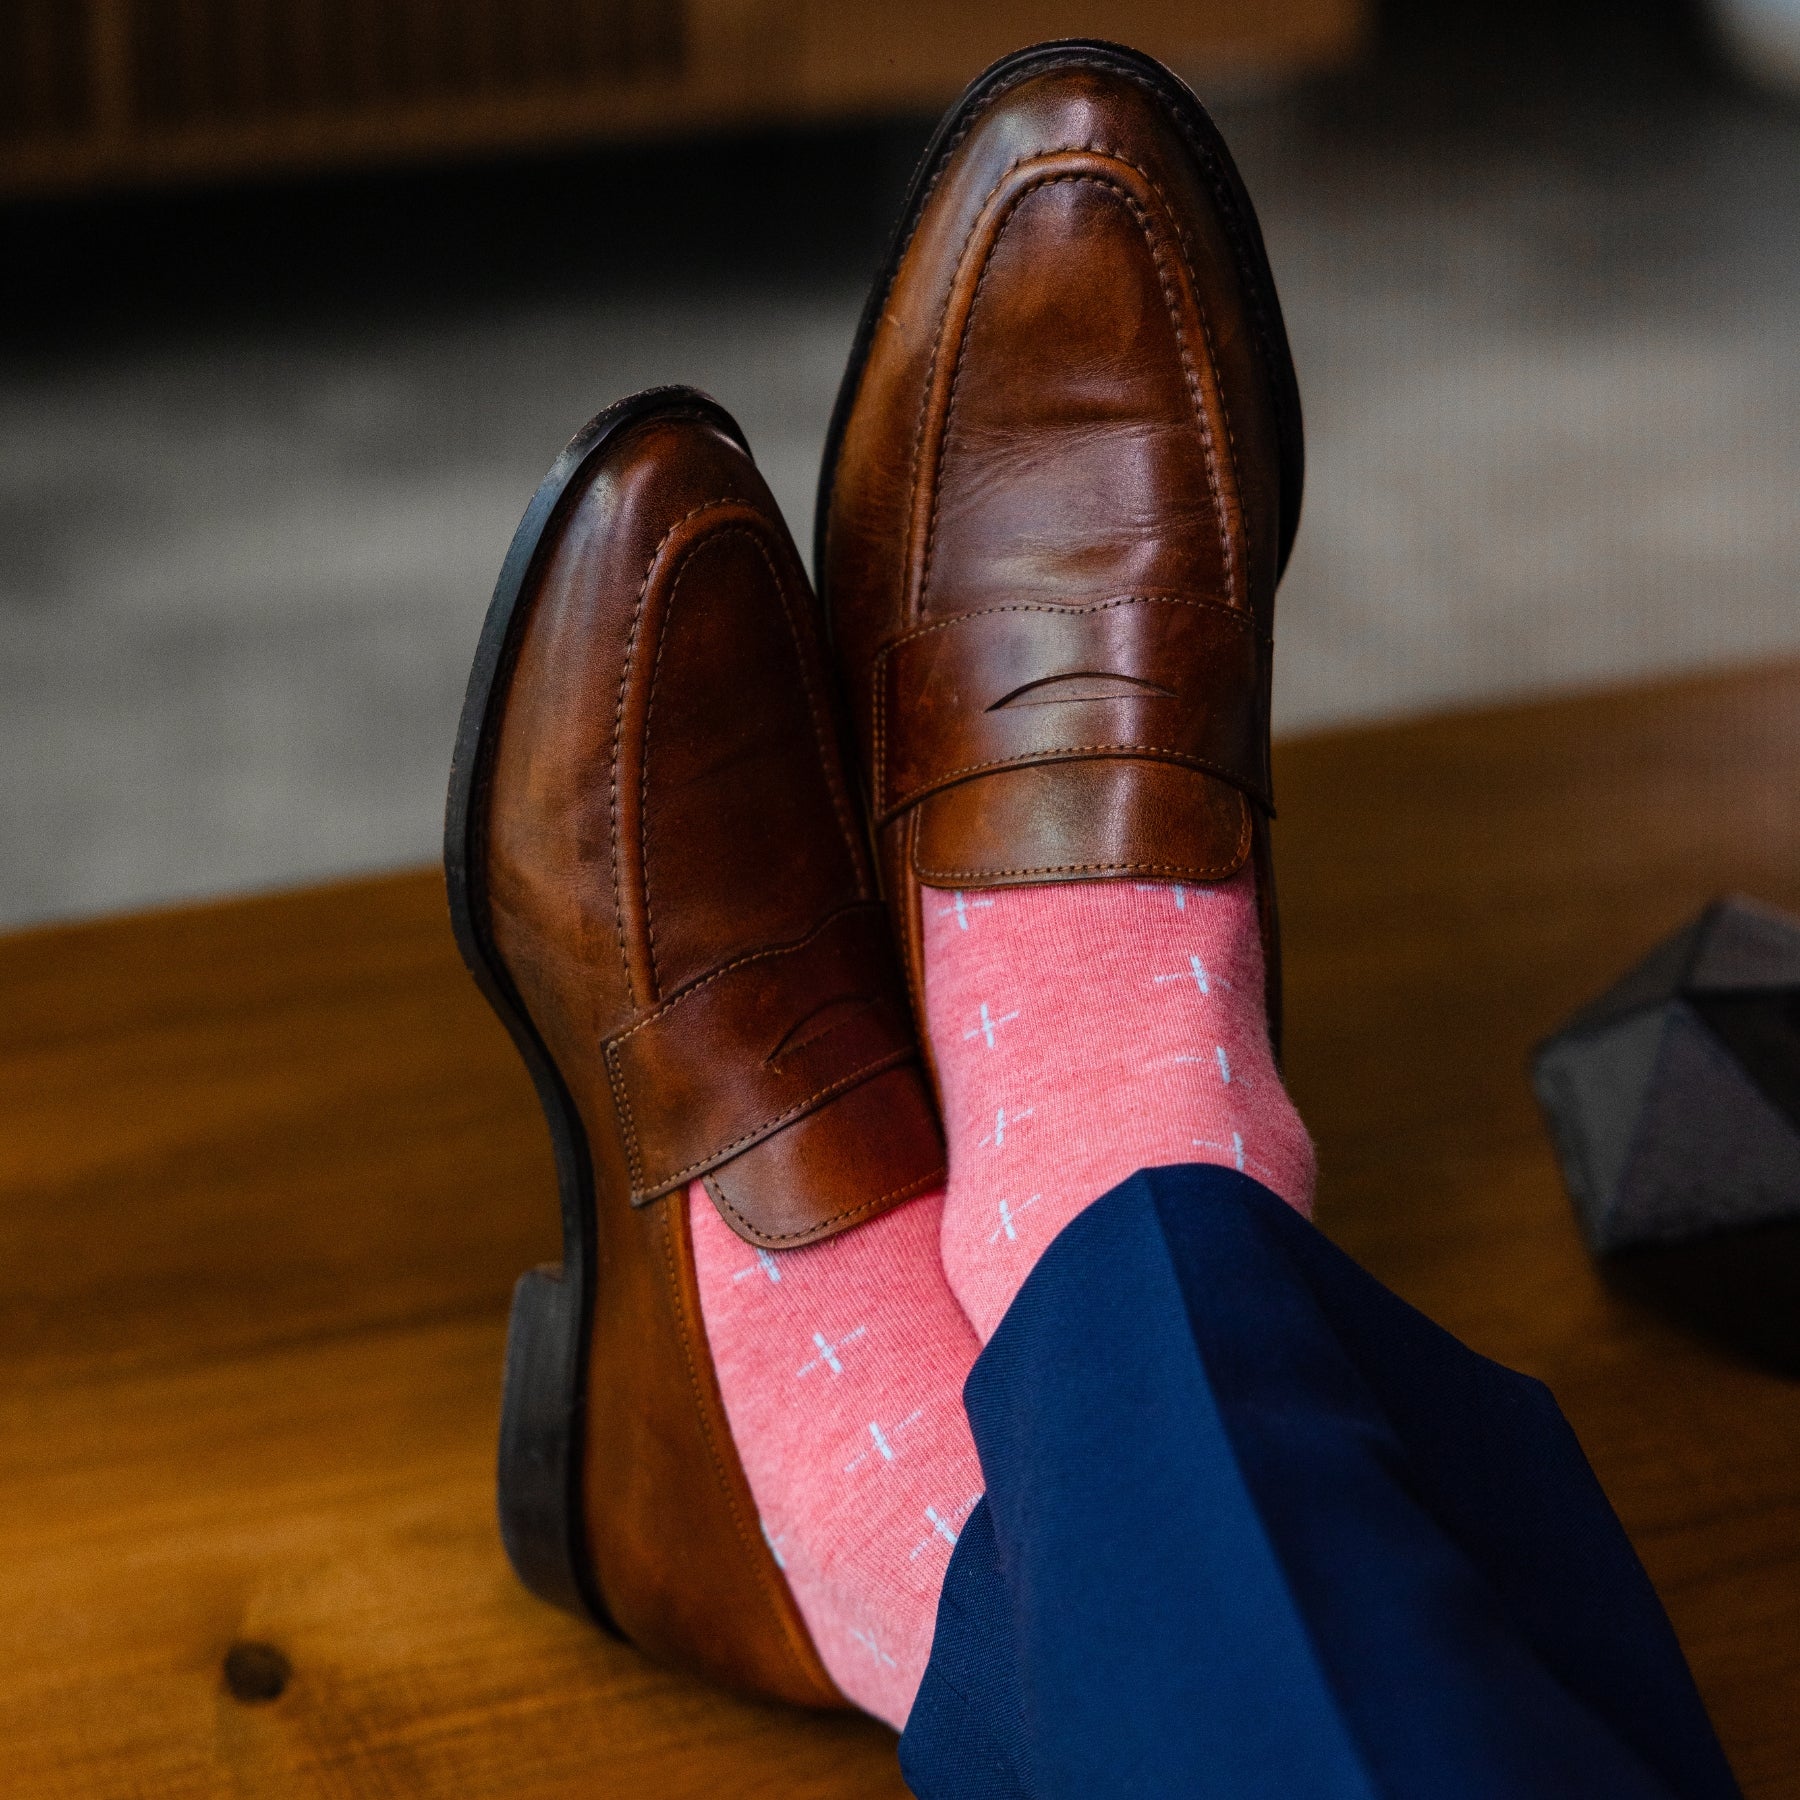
(1256, 1528)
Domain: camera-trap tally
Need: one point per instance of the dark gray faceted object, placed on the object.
(1674, 1098)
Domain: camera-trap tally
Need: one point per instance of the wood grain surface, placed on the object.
(268, 1170)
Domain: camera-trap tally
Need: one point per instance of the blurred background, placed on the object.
(303, 296)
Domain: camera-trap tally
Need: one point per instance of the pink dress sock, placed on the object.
(842, 1367)
(1083, 1031)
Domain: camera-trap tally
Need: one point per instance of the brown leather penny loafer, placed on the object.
(658, 877)
(1061, 485)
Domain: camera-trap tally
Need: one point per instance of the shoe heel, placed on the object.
(539, 1484)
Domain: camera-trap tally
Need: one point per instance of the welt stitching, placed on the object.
(887, 1060)
(914, 1186)
(931, 368)
(976, 115)
(878, 677)
(912, 926)
(637, 614)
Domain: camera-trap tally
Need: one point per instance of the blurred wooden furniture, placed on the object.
(268, 1169)
(108, 92)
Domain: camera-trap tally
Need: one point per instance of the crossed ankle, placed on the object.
(1081, 1032)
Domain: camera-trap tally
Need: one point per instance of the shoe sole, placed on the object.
(545, 1386)
(1229, 196)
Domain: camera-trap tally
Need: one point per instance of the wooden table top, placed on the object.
(268, 1170)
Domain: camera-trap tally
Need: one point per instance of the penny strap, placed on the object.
(1149, 676)
(746, 1051)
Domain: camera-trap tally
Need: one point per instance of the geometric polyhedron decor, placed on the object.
(1674, 1098)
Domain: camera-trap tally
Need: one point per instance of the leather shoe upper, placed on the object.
(678, 889)
(1059, 505)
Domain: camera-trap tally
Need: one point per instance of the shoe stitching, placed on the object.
(1206, 331)
(1144, 222)
(622, 1106)
(1251, 279)
(937, 347)
(1072, 753)
(1225, 198)
(1223, 191)
(1252, 271)
(756, 534)
(937, 341)
(739, 962)
(1171, 298)
(1237, 614)
(637, 615)
(1199, 871)
(916, 1185)
(662, 643)
(931, 365)
(614, 1071)
(865, 1072)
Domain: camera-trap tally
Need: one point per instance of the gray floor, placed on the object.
(1552, 379)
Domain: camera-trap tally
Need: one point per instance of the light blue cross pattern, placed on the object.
(828, 1352)
(987, 1025)
(1181, 892)
(765, 1264)
(1002, 1119)
(962, 908)
(774, 1544)
(1009, 1215)
(1235, 1150)
(873, 1648)
(943, 1529)
(1220, 1061)
(1194, 972)
(885, 1446)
